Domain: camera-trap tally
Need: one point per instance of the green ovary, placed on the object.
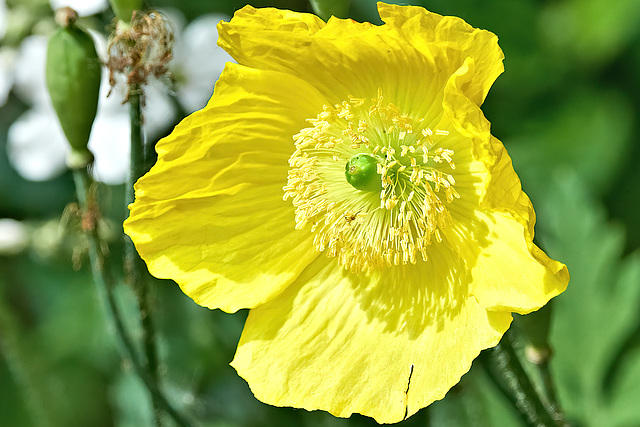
(361, 172)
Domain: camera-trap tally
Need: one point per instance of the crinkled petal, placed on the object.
(263, 37)
(210, 213)
(344, 57)
(340, 58)
(509, 271)
(383, 346)
(512, 273)
(429, 32)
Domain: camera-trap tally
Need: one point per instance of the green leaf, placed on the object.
(596, 317)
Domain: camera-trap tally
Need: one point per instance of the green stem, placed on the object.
(136, 271)
(554, 404)
(535, 327)
(136, 168)
(104, 286)
(506, 369)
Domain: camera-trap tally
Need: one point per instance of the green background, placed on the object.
(567, 109)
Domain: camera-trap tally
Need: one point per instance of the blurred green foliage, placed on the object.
(596, 323)
(567, 111)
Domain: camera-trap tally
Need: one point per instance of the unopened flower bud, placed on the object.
(73, 73)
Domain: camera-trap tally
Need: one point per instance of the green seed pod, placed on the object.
(124, 8)
(73, 73)
(361, 172)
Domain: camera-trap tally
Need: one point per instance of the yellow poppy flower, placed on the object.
(343, 184)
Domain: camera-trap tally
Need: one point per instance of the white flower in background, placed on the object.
(198, 60)
(28, 80)
(83, 7)
(13, 236)
(37, 146)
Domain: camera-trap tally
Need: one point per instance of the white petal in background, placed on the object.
(83, 7)
(199, 61)
(109, 143)
(13, 236)
(29, 82)
(159, 111)
(36, 144)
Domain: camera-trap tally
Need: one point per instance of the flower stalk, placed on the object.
(104, 282)
(537, 350)
(73, 79)
(135, 269)
(140, 47)
(506, 369)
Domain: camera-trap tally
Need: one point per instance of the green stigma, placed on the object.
(361, 172)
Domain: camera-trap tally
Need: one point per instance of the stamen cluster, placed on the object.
(369, 230)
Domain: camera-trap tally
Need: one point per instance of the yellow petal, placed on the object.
(383, 346)
(465, 114)
(527, 277)
(262, 37)
(344, 57)
(429, 32)
(505, 190)
(340, 58)
(511, 272)
(210, 213)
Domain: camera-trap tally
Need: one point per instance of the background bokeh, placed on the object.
(567, 109)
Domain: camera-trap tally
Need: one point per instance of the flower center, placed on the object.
(372, 183)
